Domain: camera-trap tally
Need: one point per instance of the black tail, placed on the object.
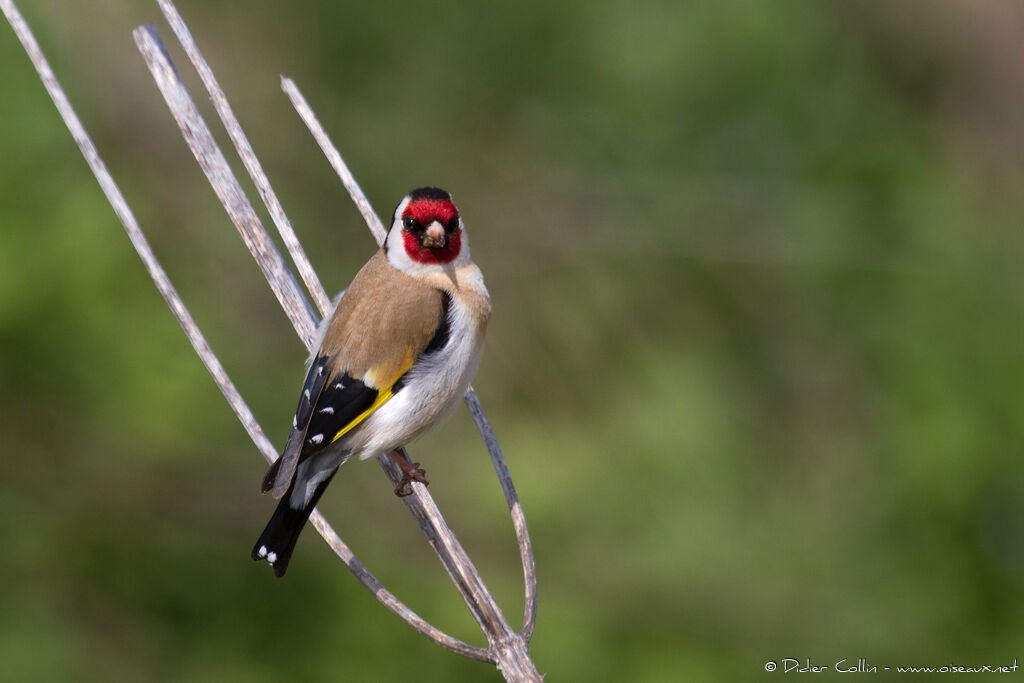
(277, 542)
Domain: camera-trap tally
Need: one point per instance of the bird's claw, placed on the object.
(410, 472)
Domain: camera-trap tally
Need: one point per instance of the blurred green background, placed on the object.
(756, 359)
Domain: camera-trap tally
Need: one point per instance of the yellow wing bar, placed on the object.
(382, 397)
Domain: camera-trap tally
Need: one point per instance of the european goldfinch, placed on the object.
(393, 361)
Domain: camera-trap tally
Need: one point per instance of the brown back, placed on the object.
(382, 322)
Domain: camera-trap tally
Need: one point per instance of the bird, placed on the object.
(391, 362)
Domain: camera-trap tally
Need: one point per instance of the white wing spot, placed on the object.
(271, 558)
(305, 393)
(262, 551)
(295, 421)
(316, 438)
(328, 410)
(339, 386)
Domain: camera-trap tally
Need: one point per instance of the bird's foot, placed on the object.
(411, 471)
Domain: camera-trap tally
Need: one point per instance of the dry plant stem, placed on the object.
(516, 510)
(248, 156)
(135, 234)
(504, 642)
(202, 143)
(507, 649)
(224, 183)
(475, 408)
(388, 599)
(195, 336)
(340, 167)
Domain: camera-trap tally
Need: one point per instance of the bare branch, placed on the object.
(389, 600)
(248, 156)
(199, 343)
(347, 179)
(507, 649)
(131, 226)
(518, 518)
(224, 183)
(455, 560)
(204, 147)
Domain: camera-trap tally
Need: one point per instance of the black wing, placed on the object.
(326, 406)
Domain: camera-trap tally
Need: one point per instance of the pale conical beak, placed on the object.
(434, 236)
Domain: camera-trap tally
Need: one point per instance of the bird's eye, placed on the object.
(452, 225)
(409, 223)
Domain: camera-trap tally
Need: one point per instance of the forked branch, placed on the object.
(507, 649)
